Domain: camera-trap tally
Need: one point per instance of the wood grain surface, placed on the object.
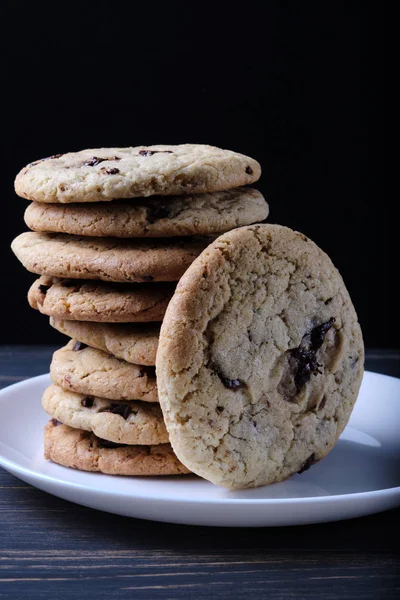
(53, 549)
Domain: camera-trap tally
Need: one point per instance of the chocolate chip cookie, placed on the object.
(153, 217)
(260, 358)
(136, 344)
(85, 370)
(83, 450)
(100, 302)
(122, 422)
(104, 174)
(126, 261)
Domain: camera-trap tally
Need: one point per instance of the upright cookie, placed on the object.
(83, 450)
(104, 174)
(100, 302)
(84, 370)
(154, 217)
(136, 344)
(260, 358)
(123, 422)
(126, 261)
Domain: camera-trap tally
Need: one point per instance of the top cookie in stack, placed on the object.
(106, 174)
(104, 291)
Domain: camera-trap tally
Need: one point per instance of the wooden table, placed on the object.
(50, 548)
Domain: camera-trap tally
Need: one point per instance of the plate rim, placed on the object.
(15, 467)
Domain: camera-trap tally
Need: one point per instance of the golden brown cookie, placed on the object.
(122, 422)
(85, 370)
(104, 174)
(135, 343)
(260, 358)
(153, 217)
(125, 261)
(82, 450)
(100, 302)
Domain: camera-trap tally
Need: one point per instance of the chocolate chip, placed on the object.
(95, 160)
(147, 278)
(124, 410)
(112, 171)
(79, 346)
(62, 188)
(308, 463)
(318, 333)
(307, 365)
(220, 409)
(305, 354)
(231, 384)
(328, 301)
(108, 444)
(249, 171)
(87, 401)
(55, 422)
(151, 152)
(44, 288)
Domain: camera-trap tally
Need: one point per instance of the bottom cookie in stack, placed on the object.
(105, 411)
(79, 449)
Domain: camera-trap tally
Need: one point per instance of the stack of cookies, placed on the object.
(113, 230)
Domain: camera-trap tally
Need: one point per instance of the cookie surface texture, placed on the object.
(79, 368)
(104, 174)
(83, 450)
(176, 216)
(100, 302)
(260, 358)
(123, 422)
(126, 261)
(136, 344)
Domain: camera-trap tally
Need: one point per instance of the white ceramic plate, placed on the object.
(360, 476)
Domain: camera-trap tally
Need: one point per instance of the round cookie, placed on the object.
(100, 302)
(83, 450)
(136, 344)
(260, 358)
(123, 422)
(104, 174)
(126, 261)
(88, 371)
(154, 217)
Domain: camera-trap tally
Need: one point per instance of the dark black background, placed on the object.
(296, 85)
